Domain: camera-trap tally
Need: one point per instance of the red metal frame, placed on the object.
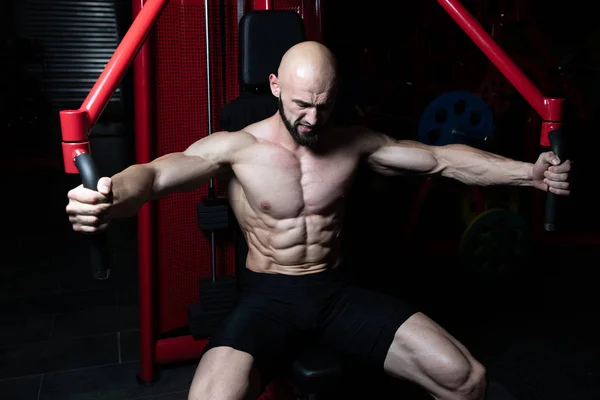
(262, 5)
(143, 87)
(76, 126)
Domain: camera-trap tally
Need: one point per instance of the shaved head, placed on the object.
(305, 85)
(310, 65)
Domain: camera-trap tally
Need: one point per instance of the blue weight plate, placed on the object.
(457, 118)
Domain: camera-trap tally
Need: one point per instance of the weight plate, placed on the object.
(457, 118)
(496, 245)
(505, 197)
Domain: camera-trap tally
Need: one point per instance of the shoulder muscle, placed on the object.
(220, 147)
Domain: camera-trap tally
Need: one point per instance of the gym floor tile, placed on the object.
(115, 382)
(20, 330)
(30, 359)
(129, 344)
(59, 303)
(108, 319)
(27, 388)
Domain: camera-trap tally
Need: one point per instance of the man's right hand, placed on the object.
(87, 209)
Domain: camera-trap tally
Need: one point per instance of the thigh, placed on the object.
(257, 328)
(362, 323)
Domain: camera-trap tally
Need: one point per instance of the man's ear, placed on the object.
(274, 84)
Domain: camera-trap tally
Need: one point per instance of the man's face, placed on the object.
(305, 119)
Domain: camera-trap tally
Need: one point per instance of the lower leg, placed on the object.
(426, 354)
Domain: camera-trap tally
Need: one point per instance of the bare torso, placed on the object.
(289, 202)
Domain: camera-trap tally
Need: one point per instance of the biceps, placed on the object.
(382, 169)
(396, 159)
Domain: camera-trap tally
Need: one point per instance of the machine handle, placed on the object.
(553, 201)
(99, 250)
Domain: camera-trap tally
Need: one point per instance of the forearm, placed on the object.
(131, 188)
(476, 167)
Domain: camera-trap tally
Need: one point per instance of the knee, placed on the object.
(210, 386)
(466, 378)
(202, 388)
(225, 374)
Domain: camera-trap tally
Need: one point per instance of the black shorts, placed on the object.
(278, 314)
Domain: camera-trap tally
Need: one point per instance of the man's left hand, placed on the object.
(552, 174)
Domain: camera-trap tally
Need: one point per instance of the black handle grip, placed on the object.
(557, 145)
(100, 257)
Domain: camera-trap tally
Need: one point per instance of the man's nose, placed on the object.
(311, 116)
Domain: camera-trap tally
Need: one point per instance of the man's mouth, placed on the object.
(304, 129)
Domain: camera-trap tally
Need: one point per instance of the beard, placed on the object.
(307, 139)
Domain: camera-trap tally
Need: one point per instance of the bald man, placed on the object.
(290, 175)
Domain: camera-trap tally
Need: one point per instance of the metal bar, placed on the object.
(143, 86)
(114, 71)
(545, 107)
(213, 259)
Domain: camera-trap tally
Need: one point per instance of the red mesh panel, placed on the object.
(292, 8)
(184, 251)
(232, 87)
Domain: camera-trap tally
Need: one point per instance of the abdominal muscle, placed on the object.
(301, 245)
(297, 246)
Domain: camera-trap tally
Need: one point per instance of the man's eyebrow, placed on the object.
(303, 103)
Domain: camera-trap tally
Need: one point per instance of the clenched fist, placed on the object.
(552, 174)
(87, 209)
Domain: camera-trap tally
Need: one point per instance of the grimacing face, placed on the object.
(304, 121)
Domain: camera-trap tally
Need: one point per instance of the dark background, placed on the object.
(66, 336)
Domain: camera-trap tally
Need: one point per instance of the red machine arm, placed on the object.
(77, 124)
(549, 109)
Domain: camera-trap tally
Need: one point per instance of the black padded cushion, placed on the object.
(317, 370)
(264, 38)
(246, 110)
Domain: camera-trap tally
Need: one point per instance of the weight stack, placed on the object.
(213, 214)
(217, 300)
(218, 294)
(179, 89)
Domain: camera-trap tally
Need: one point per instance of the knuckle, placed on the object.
(96, 221)
(88, 229)
(93, 199)
(101, 210)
